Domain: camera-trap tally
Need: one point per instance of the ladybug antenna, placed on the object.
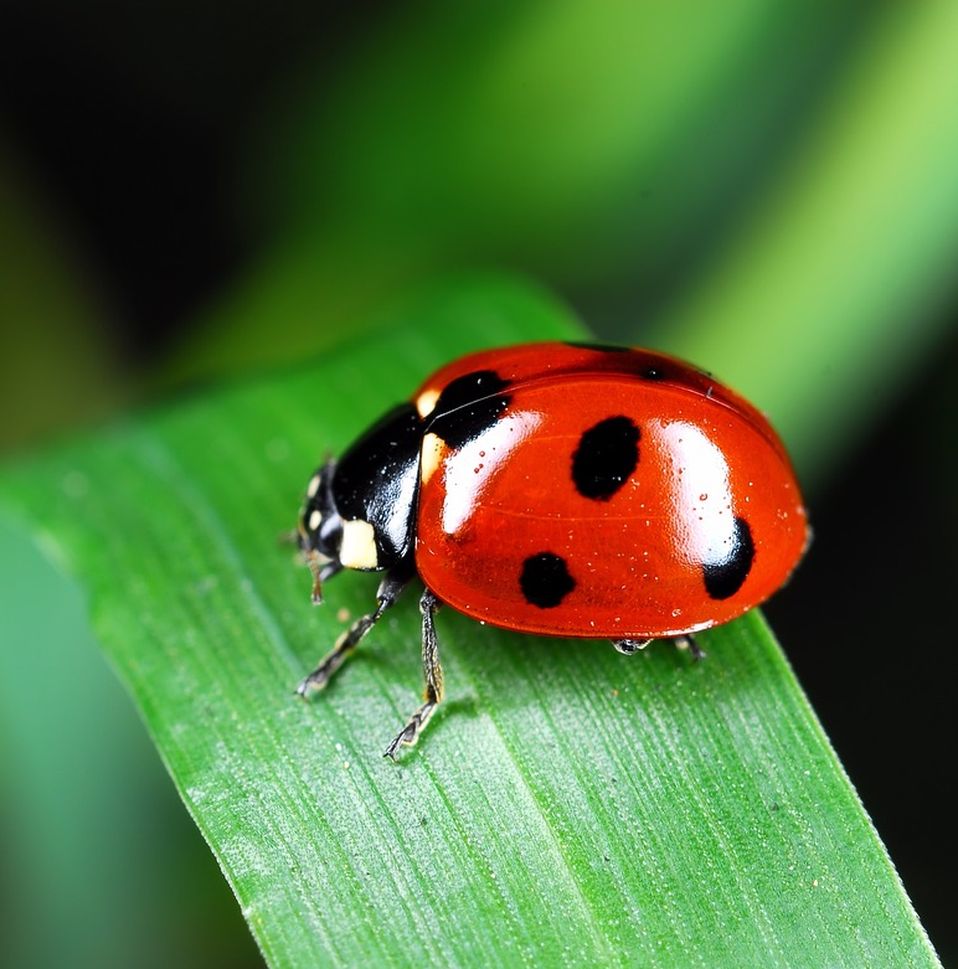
(316, 568)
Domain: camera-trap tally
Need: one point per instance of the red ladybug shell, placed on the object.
(582, 491)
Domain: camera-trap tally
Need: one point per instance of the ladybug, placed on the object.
(560, 489)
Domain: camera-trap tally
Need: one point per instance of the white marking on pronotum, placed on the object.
(315, 519)
(313, 486)
(358, 550)
(426, 402)
(430, 456)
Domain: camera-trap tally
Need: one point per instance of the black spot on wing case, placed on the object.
(606, 457)
(545, 580)
(725, 576)
(467, 406)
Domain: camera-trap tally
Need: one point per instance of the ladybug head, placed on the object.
(359, 511)
(319, 528)
(319, 525)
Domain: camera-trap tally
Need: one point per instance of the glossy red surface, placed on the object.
(706, 458)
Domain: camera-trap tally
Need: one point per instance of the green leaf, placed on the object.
(80, 787)
(567, 806)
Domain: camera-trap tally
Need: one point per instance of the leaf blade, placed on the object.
(567, 806)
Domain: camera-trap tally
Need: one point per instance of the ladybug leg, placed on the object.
(432, 671)
(629, 646)
(688, 642)
(386, 596)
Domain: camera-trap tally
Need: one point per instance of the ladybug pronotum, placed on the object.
(563, 490)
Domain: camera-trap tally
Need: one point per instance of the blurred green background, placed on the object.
(195, 191)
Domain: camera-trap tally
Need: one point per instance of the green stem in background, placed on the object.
(569, 806)
(562, 140)
(831, 295)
